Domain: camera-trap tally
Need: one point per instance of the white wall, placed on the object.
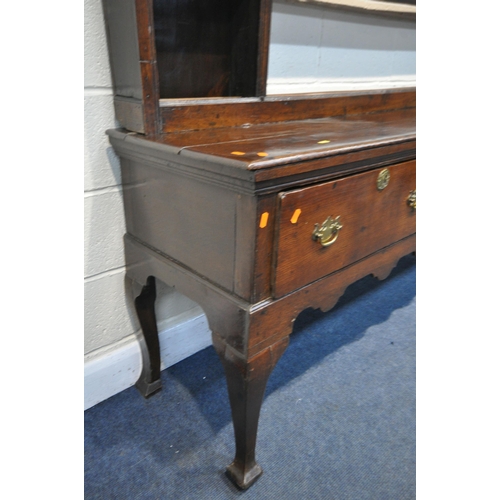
(312, 49)
(317, 49)
(112, 361)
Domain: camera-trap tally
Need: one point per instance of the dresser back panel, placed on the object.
(206, 49)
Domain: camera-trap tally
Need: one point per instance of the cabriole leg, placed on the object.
(246, 382)
(149, 381)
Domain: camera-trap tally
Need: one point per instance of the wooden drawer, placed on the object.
(371, 219)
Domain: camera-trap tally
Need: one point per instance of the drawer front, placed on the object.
(361, 216)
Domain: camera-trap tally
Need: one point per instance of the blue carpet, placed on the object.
(337, 422)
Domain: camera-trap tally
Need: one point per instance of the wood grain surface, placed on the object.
(189, 115)
(302, 140)
(371, 219)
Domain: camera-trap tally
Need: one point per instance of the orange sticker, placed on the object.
(262, 154)
(323, 142)
(238, 153)
(263, 219)
(295, 216)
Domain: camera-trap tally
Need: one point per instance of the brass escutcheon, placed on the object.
(328, 232)
(383, 179)
(412, 199)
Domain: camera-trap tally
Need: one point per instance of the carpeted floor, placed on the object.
(337, 422)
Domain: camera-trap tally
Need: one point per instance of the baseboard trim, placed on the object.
(119, 369)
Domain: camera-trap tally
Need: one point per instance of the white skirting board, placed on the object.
(119, 369)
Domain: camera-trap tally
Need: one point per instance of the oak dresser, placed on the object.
(256, 207)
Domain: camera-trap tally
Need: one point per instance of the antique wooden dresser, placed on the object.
(255, 207)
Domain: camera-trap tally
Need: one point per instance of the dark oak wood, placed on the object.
(202, 223)
(371, 219)
(209, 49)
(264, 35)
(133, 64)
(272, 319)
(149, 69)
(193, 116)
(345, 129)
(265, 325)
(207, 222)
(249, 327)
(149, 380)
(168, 57)
(299, 140)
(220, 223)
(246, 381)
(264, 247)
(214, 170)
(167, 49)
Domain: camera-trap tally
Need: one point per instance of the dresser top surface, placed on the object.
(268, 145)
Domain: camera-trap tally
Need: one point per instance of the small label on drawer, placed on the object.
(295, 216)
(263, 219)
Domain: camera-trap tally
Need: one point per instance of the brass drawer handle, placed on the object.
(383, 179)
(412, 199)
(328, 232)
